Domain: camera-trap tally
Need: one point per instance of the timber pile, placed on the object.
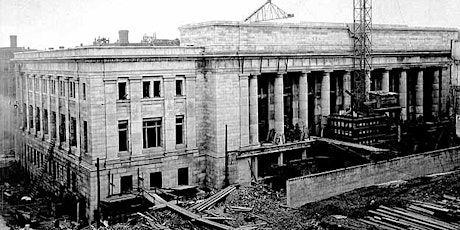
(206, 204)
(444, 214)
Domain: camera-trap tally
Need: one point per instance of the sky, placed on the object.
(41, 24)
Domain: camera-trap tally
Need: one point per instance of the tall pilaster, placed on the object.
(445, 84)
(435, 94)
(77, 108)
(67, 112)
(303, 100)
(27, 80)
(325, 97)
(419, 94)
(190, 84)
(170, 116)
(244, 109)
(403, 94)
(48, 101)
(40, 103)
(279, 107)
(346, 87)
(253, 110)
(386, 80)
(58, 112)
(110, 116)
(135, 121)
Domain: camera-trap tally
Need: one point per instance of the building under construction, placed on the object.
(234, 102)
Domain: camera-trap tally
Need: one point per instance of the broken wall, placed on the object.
(315, 187)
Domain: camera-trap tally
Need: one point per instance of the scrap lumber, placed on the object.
(425, 220)
(152, 222)
(239, 209)
(206, 204)
(353, 145)
(158, 200)
(218, 218)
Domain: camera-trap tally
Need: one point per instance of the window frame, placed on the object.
(182, 125)
(126, 89)
(126, 131)
(182, 92)
(158, 129)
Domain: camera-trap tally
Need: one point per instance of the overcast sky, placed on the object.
(41, 24)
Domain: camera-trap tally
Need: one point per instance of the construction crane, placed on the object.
(362, 51)
(268, 11)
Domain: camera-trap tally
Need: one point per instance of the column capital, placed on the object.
(328, 71)
(243, 76)
(282, 73)
(404, 68)
(135, 78)
(387, 69)
(305, 71)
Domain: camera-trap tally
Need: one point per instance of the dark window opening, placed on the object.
(62, 129)
(45, 121)
(179, 89)
(123, 135)
(84, 91)
(31, 116)
(126, 184)
(73, 131)
(146, 89)
(179, 130)
(156, 89)
(37, 119)
(122, 93)
(182, 176)
(53, 124)
(155, 180)
(151, 132)
(85, 136)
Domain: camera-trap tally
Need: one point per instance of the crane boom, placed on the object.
(362, 47)
(268, 11)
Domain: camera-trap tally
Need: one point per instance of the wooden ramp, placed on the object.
(157, 200)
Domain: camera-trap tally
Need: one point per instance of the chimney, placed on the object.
(13, 41)
(123, 36)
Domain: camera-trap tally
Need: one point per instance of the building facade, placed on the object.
(203, 112)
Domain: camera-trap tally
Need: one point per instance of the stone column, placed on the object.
(34, 106)
(77, 108)
(367, 81)
(403, 94)
(303, 100)
(279, 106)
(419, 94)
(325, 97)
(386, 80)
(42, 110)
(27, 80)
(244, 110)
(346, 87)
(58, 112)
(253, 110)
(135, 121)
(170, 116)
(190, 82)
(435, 94)
(48, 98)
(338, 95)
(445, 84)
(67, 112)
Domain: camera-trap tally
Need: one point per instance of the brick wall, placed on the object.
(315, 187)
(309, 37)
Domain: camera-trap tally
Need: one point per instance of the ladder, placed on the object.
(41, 174)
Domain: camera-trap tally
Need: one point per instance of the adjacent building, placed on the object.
(204, 111)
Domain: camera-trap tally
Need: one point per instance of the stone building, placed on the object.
(169, 116)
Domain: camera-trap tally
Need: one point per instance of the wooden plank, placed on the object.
(213, 199)
(411, 219)
(218, 218)
(430, 218)
(419, 218)
(354, 145)
(400, 220)
(380, 221)
(157, 199)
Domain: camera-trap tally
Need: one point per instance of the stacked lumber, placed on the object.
(206, 204)
(417, 215)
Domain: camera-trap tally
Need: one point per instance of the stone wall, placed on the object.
(315, 187)
(309, 37)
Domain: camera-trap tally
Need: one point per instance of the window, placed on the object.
(179, 87)
(31, 84)
(73, 131)
(44, 86)
(179, 129)
(155, 180)
(37, 119)
(146, 89)
(182, 176)
(156, 88)
(84, 91)
(122, 93)
(126, 184)
(53, 124)
(62, 88)
(151, 132)
(72, 89)
(123, 135)
(36, 82)
(45, 121)
(31, 116)
(62, 128)
(85, 136)
(53, 87)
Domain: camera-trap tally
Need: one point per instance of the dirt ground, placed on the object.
(267, 208)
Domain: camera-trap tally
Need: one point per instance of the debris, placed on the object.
(213, 199)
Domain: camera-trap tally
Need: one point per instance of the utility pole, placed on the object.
(226, 181)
